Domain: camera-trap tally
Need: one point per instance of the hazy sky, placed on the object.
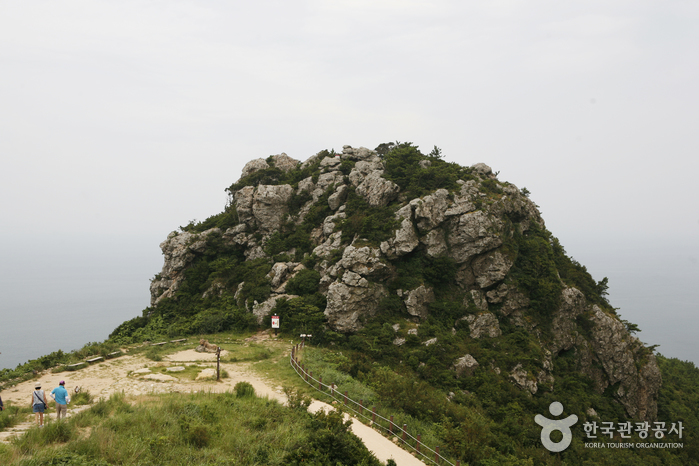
(125, 119)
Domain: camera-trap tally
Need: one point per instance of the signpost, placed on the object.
(275, 324)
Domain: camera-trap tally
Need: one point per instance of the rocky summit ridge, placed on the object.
(358, 219)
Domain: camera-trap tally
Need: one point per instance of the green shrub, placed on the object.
(304, 282)
(244, 390)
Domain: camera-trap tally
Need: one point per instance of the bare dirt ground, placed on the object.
(136, 375)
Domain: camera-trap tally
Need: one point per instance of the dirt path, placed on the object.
(136, 375)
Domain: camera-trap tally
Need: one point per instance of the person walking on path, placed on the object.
(39, 404)
(1, 405)
(60, 394)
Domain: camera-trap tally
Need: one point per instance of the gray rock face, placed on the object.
(361, 153)
(484, 324)
(365, 261)
(405, 238)
(337, 198)
(253, 166)
(349, 306)
(362, 169)
(523, 379)
(417, 300)
(377, 190)
(430, 210)
(179, 250)
(465, 366)
(263, 309)
(330, 163)
(472, 234)
(491, 268)
(612, 348)
(284, 162)
(270, 204)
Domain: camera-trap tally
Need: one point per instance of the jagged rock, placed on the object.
(463, 199)
(361, 153)
(429, 342)
(396, 327)
(261, 310)
(478, 299)
(491, 268)
(482, 169)
(399, 341)
(330, 163)
(348, 307)
(243, 203)
(354, 279)
(522, 378)
(216, 289)
(329, 245)
(284, 162)
(377, 191)
(412, 331)
(330, 222)
(465, 366)
(280, 273)
(338, 197)
(497, 295)
(485, 324)
(270, 205)
(430, 210)
(618, 351)
(306, 185)
(435, 242)
(179, 250)
(362, 169)
(253, 166)
(405, 238)
(472, 234)
(417, 301)
(365, 261)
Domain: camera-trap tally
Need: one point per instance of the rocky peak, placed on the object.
(359, 220)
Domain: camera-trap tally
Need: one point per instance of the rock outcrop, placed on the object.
(470, 226)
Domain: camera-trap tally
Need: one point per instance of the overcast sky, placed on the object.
(126, 119)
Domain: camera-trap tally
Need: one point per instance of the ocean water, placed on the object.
(65, 294)
(71, 292)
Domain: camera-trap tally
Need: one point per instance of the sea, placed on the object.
(64, 294)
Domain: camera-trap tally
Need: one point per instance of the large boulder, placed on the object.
(349, 306)
(377, 191)
(270, 205)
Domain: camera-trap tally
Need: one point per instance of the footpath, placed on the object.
(137, 375)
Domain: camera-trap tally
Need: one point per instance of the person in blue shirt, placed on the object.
(60, 394)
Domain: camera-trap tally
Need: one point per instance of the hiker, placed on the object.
(2, 406)
(60, 395)
(39, 404)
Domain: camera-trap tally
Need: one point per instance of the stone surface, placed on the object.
(364, 260)
(284, 162)
(472, 234)
(348, 307)
(417, 300)
(253, 166)
(465, 366)
(490, 268)
(270, 205)
(523, 379)
(405, 238)
(430, 210)
(377, 190)
(263, 309)
(484, 324)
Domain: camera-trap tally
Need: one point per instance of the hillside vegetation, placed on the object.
(434, 289)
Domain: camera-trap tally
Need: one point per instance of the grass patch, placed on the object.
(182, 429)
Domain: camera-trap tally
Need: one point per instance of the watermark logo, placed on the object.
(551, 425)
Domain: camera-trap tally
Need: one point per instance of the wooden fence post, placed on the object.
(373, 416)
(390, 427)
(417, 447)
(405, 426)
